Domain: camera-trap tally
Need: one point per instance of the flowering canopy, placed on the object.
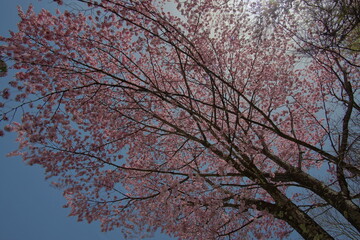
(201, 123)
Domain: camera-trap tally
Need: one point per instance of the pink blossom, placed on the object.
(6, 93)
(8, 128)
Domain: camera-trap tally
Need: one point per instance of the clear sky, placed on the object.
(30, 209)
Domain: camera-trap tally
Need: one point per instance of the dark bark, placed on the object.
(340, 202)
(291, 214)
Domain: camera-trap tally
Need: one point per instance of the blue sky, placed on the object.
(30, 209)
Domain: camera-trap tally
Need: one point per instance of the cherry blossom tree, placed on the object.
(195, 122)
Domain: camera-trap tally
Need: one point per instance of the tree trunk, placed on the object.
(286, 210)
(302, 223)
(290, 213)
(346, 207)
